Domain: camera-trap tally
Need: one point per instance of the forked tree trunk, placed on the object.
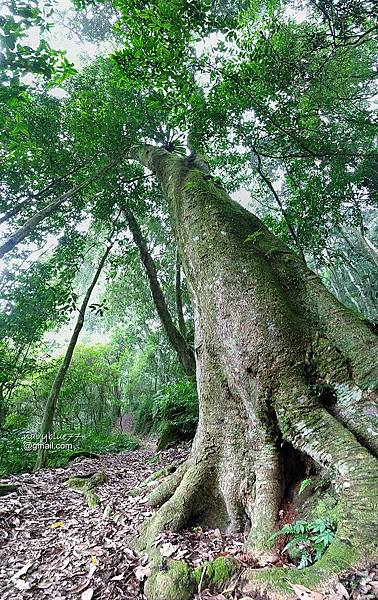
(266, 330)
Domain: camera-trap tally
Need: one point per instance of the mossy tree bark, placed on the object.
(267, 331)
(179, 303)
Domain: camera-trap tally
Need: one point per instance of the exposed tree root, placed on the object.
(7, 488)
(193, 491)
(358, 411)
(167, 488)
(86, 485)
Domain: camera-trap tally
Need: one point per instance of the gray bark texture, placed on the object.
(266, 331)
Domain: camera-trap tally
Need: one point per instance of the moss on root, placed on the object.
(134, 492)
(86, 486)
(7, 488)
(173, 583)
(216, 572)
(160, 474)
(340, 556)
(164, 472)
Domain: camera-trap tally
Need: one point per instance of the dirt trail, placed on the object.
(64, 547)
(52, 546)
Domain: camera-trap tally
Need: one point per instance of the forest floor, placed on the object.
(53, 546)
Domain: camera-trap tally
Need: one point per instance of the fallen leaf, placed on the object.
(22, 571)
(80, 588)
(340, 589)
(92, 569)
(57, 524)
(44, 585)
(168, 549)
(21, 585)
(107, 512)
(142, 572)
(88, 594)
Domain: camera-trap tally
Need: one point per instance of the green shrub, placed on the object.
(13, 457)
(16, 421)
(143, 414)
(177, 404)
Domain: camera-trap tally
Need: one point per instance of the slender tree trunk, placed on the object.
(177, 340)
(266, 331)
(179, 306)
(52, 401)
(20, 205)
(284, 213)
(3, 407)
(15, 210)
(34, 221)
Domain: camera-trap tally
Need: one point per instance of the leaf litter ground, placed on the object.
(53, 546)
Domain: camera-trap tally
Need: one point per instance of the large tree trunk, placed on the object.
(266, 330)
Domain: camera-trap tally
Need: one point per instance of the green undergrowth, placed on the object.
(171, 414)
(308, 540)
(18, 449)
(338, 557)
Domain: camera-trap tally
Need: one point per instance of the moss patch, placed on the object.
(217, 571)
(86, 486)
(174, 583)
(161, 473)
(134, 492)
